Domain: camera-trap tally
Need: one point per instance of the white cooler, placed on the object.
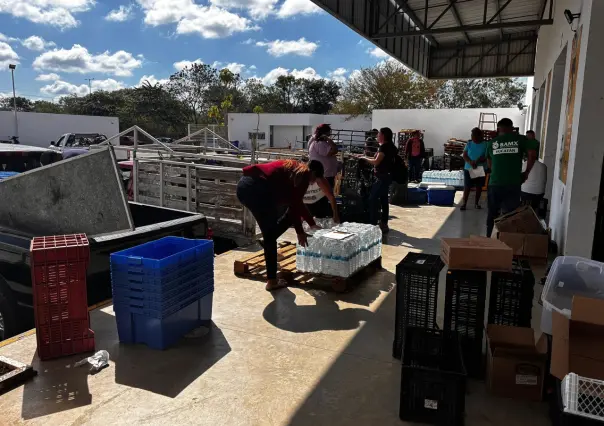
(568, 277)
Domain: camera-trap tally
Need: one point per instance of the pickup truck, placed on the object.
(73, 144)
(151, 223)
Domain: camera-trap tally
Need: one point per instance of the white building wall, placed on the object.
(39, 129)
(441, 124)
(573, 224)
(240, 125)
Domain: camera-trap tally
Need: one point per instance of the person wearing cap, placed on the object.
(504, 156)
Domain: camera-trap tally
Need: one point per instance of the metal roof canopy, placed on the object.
(451, 38)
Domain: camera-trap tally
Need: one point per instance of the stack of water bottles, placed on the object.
(445, 177)
(162, 290)
(340, 251)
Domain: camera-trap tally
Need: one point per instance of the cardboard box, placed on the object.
(524, 233)
(535, 246)
(483, 254)
(523, 220)
(515, 362)
(578, 342)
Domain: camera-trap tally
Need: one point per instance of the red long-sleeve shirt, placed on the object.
(285, 192)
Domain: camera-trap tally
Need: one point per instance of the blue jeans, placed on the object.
(502, 199)
(378, 197)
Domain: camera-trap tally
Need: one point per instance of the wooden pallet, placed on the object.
(254, 267)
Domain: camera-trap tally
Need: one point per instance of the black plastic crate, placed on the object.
(433, 378)
(511, 299)
(416, 295)
(559, 417)
(465, 297)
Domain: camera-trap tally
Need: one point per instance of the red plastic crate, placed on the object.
(60, 248)
(65, 338)
(58, 268)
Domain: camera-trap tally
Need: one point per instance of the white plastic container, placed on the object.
(570, 276)
(425, 185)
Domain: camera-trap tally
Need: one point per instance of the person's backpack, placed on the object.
(399, 170)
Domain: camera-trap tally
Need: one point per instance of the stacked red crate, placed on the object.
(58, 274)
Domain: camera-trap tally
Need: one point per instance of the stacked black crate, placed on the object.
(511, 299)
(465, 297)
(416, 295)
(357, 179)
(433, 378)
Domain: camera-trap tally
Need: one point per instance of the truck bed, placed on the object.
(150, 223)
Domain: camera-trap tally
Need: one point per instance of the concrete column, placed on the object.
(580, 195)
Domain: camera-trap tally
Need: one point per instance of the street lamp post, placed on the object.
(12, 70)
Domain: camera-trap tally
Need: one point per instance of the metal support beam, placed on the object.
(507, 64)
(482, 56)
(469, 28)
(445, 10)
(498, 3)
(488, 42)
(460, 22)
(449, 59)
(499, 11)
(413, 18)
(389, 18)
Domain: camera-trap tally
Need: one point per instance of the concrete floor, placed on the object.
(294, 357)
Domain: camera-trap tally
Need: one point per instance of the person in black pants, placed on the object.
(383, 162)
(274, 193)
(415, 151)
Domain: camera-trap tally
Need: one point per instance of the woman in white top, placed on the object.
(321, 148)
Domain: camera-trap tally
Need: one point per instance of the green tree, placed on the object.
(47, 107)
(481, 93)
(388, 85)
(192, 85)
(23, 104)
(317, 96)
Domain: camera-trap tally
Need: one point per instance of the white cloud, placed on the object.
(7, 38)
(376, 52)
(124, 13)
(37, 43)
(58, 13)
(191, 18)
(297, 7)
(257, 9)
(338, 75)
(79, 60)
(7, 55)
(272, 76)
(63, 88)
(278, 48)
(152, 80)
(252, 67)
(48, 77)
(180, 65)
(248, 41)
(234, 67)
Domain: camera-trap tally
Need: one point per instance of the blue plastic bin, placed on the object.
(162, 257)
(4, 175)
(441, 197)
(162, 333)
(416, 196)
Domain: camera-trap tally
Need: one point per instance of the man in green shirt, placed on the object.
(504, 155)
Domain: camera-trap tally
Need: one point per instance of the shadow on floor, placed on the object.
(59, 386)
(396, 238)
(285, 314)
(165, 372)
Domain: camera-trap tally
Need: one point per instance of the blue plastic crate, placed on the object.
(167, 299)
(161, 291)
(155, 284)
(162, 257)
(441, 197)
(162, 333)
(163, 309)
(417, 196)
(4, 175)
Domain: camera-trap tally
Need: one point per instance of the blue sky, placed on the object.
(57, 44)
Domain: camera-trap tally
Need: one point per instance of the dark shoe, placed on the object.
(463, 208)
(384, 229)
(478, 207)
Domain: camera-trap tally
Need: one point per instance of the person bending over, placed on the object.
(274, 193)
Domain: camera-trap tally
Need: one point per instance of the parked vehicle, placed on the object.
(21, 158)
(73, 144)
(151, 223)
